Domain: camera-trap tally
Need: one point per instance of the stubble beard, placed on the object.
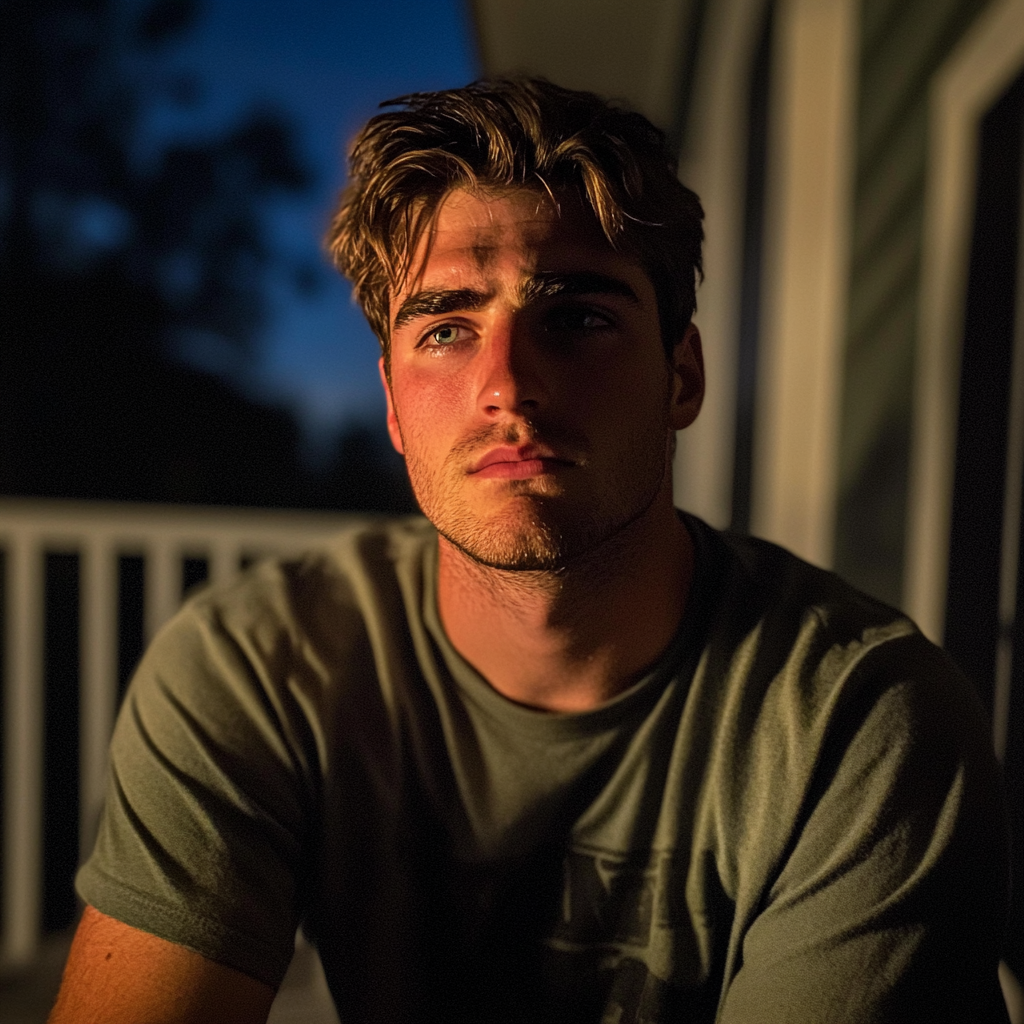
(535, 526)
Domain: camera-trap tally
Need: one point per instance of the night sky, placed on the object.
(327, 64)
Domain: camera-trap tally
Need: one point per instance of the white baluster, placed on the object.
(23, 745)
(223, 559)
(98, 681)
(163, 583)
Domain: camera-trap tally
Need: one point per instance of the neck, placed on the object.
(571, 639)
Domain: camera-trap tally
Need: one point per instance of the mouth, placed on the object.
(518, 463)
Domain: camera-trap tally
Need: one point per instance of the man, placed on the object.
(556, 752)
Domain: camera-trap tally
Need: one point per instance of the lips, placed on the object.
(517, 463)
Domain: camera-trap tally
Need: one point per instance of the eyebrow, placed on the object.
(546, 286)
(437, 302)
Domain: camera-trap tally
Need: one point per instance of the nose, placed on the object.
(512, 379)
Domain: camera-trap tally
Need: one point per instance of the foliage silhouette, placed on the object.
(113, 264)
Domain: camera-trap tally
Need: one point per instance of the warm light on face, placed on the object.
(529, 388)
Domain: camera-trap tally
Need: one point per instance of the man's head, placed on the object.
(528, 260)
(509, 134)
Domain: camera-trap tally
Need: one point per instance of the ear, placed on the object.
(393, 430)
(687, 379)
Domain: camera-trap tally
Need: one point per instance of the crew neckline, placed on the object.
(677, 662)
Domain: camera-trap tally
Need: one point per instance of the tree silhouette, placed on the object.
(113, 263)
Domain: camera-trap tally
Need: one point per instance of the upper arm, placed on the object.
(121, 975)
(888, 904)
(205, 830)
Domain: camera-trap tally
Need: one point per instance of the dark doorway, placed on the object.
(983, 607)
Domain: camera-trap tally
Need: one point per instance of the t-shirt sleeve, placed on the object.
(210, 799)
(889, 903)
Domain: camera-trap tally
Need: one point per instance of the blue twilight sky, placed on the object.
(327, 64)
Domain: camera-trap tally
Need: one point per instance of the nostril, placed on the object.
(506, 399)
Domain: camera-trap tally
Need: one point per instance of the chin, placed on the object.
(512, 553)
(520, 539)
(532, 536)
(538, 527)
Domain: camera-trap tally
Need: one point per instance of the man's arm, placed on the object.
(117, 974)
(889, 904)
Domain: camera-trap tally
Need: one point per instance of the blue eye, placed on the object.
(445, 335)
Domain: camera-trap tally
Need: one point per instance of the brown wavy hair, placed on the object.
(514, 133)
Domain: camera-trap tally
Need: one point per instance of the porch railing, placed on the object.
(168, 541)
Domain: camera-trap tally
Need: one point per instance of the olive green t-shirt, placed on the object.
(794, 817)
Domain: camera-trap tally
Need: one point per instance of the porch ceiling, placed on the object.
(640, 51)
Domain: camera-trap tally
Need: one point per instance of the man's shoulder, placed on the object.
(328, 624)
(366, 561)
(329, 603)
(810, 686)
(799, 644)
(762, 585)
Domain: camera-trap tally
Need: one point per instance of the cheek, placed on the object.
(623, 395)
(428, 406)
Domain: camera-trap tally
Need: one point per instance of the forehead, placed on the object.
(484, 235)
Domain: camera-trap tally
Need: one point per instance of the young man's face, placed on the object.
(530, 393)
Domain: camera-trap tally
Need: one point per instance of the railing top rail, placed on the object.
(73, 521)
